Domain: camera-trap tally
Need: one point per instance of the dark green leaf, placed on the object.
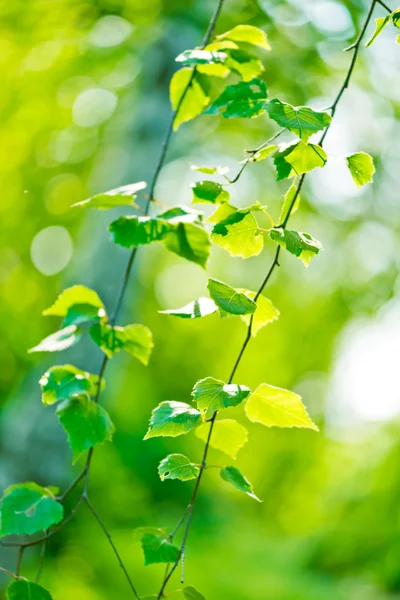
(172, 419)
(209, 191)
(177, 466)
(137, 340)
(190, 242)
(62, 382)
(191, 593)
(235, 477)
(248, 34)
(212, 394)
(244, 64)
(136, 231)
(157, 549)
(26, 590)
(300, 244)
(229, 300)
(244, 99)
(301, 120)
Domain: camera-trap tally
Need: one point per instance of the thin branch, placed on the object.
(385, 6)
(274, 264)
(19, 560)
(252, 154)
(10, 573)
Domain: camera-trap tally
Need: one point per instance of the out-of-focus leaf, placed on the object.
(228, 436)
(235, 477)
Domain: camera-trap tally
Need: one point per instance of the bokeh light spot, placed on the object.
(51, 250)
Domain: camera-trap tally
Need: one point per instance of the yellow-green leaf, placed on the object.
(248, 34)
(195, 99)
(265, 312)
(361, 167)
(228, 436)
(239, 234)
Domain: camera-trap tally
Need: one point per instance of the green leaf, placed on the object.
(222, 212)
(60, 340)
(198, 308)
(172, 418)
(264, 314)
(137, 340)
(195, 57)
(212, 394)
(210, 170)
(191, 593)
(306, 157)
(395, 18)
(239, 234)
(138, 532)
(218, 69)
(157, 549)
(301, 120)
(244, 64)
(276, 407)
(264, 153)
(27, 508)
(182, 214)
(209, 191)
(244, 100)
(73, 296)
(300, 244)
(137, 231)
(287, 203)
(195, 100)
(190, 242)
(230, 300)
(235, 477)
(228, 436)
(248, 34)
(85, 422)
(361, 167)
(121, 196)
(26, 590)
(380, 25)
(62, 382)
(177, 466)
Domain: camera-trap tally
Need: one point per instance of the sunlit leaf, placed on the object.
(27, 508)
(301, 120)
(247, 33)
(235, 477)
(172, 418)
(298, 243)
(210, 170)
(75, 295)
(121, 196)
(157, 549)
(288, 201)
(361, 167)
(194, 310)
(26, 590)
(212, 394)
(177, 466)
(209, 191)
(264, 314)
(229, 300)
(62, 382)
(222, 212)
(239, 234)
(86, 424)
(60, 340)
(136, 231)
(244, 99)
(195, 98)
(196, 57)
(135, 339)
(264, 153)
(228, 436)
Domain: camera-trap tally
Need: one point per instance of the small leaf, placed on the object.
(361, 167)
(73, 298)
(228, 436)
(27, 508)
(248, 34)
(194, 310)
(26, 590)
(305, 157)
(301, 120)
(137, 231)
(190, 242)
(172, 418)
(86, 424)
(121, 196)
(239, 234)
(264, 314)
(195, 100)
(244, 99)
(300, 244)
(209, 192)
(287, 203)
(230, 300)
(190, 58)
(276, 407)
(380, 25)
(157, 549)
(210, 170)
(212, 394)
(235, 477)
(177, 466)
(182, 214)
(60, 340)
(62, 382)
(137, 340)
(191, 593)
(264, 153)
(138, 532)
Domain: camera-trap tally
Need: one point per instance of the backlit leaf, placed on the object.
(62, 382)
(121, 196)
(194, 57)
(195, 99)
(212, 394)
(248, 34)
(264, 153)
(244, 99)
(135, 339)
(190, 242)
(172, 418)
(26, 590)
(305, 157)
(265, 312)
(300, 244)
(209, 191)
(361, 167)
(210, 170)
(177, 466)
(301, 120)
(157, 549)
(194, 310)
(229, 300)
(288, 201)
(60, 340)
(228, 436)
(235, 477)
(239, 234)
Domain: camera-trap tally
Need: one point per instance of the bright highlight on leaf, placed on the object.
(229, 300)
(62, 382)
(26, 590)
(195, 57)
(235, 477)
(276, 407)
(361, 167)
(264, 314)
(264, 153)
(209, 192)
(228, 436)
(248, 34)
(194, 310)
(136, 339)
(301, 120)
(305, 157)
(288, 201)
(210, 170)
(157, 549)
(244, 100)
(195, 100)
(77, 295)
(27, 508)
(60, 340)
(212, 394)
(121, 196)
(239, 234)
(86, 424)
(300, 244)
(172, 418)
(177, 466)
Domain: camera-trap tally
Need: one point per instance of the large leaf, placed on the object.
(86, 424)
(209, 192)
(190, 242)
(26, 590)
(121, 196)
(78, 304)
(229, 300)
(27, 508)
(228, 436)
(276, 407)
(300, 244)
(248, 34)
(305, 157)
(301, 120)
(172, 418)
(137, 231)
(212, 394)
(60, 340)
(244, 99)
(264, 314)
(62, 382)
(177, 466)
(136, 339)
(361, 167)
(157, 549)
(235, 477)
(239, 234)
(194, 310)
(195, 98)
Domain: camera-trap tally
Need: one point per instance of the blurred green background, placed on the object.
(84, 106)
